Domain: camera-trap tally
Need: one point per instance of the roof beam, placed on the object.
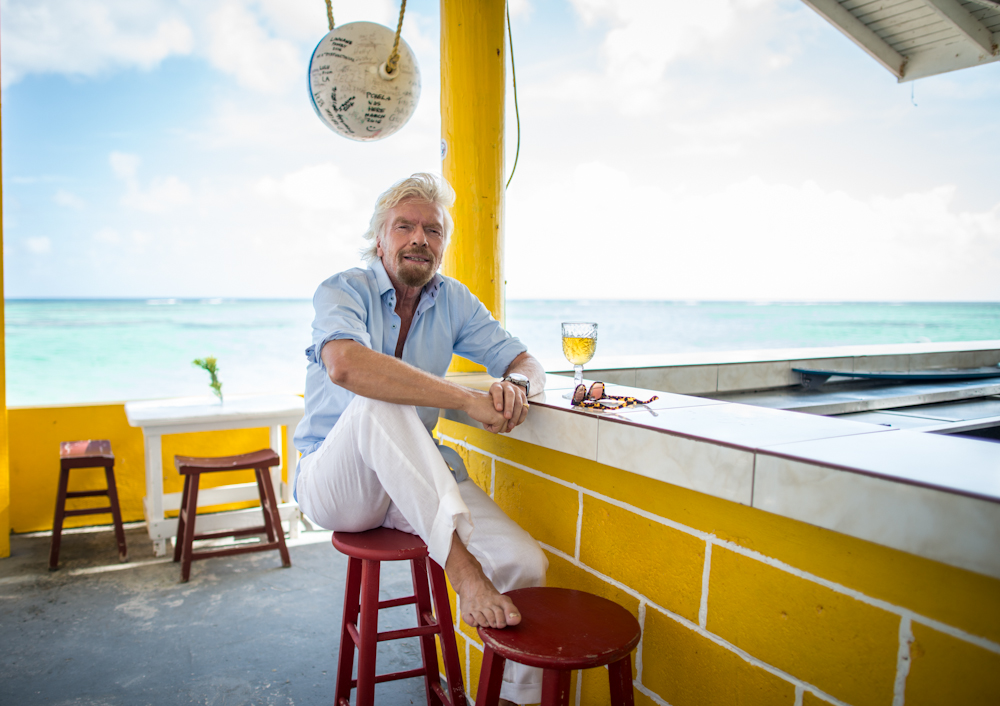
(968, 25)
(856, 30)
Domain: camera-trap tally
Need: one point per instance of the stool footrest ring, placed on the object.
(86, 493)
(88, 511)
(260, 529)
(397, 602)
(394, 676)
(233, 551)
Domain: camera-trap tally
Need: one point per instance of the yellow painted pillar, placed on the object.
(4, 446)
(472, 130)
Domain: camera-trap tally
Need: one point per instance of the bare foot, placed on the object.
(481, 604)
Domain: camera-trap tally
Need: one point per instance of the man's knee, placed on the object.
(529, 567)
(366, 406)
(536, 566)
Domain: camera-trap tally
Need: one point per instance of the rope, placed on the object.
(329, 13)
(393, 60)
(517, 115)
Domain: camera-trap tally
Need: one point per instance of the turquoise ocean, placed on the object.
(72, 351)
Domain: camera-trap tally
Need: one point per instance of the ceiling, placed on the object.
(917, 38)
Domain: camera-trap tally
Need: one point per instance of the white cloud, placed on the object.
(68, 199)
(321, 187)
(239, 46)
(747, 240)
(645, 37)
(520, 8)
(124, 165)
(163, 193)
(39, 245)
(108, 236)
(88, 37)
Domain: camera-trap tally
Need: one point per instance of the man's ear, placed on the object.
(378, 246)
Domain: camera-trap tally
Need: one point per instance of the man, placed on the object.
(382, 340)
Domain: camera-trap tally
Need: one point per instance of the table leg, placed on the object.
(279, 434)
(154, 486)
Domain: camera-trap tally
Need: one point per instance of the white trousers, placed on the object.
(378, 467)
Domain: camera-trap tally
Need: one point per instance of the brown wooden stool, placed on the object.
(191, 467)
(86, 454)
(366, 551)
(561, 630)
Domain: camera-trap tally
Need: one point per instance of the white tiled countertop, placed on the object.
(931, 495)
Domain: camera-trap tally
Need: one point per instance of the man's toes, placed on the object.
(512, 615)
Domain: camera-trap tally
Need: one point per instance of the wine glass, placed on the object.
(579, 341)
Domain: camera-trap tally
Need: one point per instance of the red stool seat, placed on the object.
(366, 551)
(86, 454)
(191, 467)
(561, 630)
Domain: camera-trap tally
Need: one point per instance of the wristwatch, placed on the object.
(519, 380)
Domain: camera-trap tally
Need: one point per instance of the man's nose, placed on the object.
(419, 236)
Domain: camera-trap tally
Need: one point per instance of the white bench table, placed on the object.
(182, 415)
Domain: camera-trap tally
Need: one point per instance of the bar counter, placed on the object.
(805, 559)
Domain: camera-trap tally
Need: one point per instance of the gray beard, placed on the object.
(411, 276)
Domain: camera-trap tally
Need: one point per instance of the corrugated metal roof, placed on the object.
(917, 38)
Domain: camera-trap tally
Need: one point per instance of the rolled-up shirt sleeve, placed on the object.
(341, 314)
(482, 339)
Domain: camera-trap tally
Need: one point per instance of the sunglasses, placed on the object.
(595, 398)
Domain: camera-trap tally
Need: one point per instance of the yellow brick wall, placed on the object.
(35, 433)
(739, 606)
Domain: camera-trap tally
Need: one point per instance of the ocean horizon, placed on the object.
(62, 351)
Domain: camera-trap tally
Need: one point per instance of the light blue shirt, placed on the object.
(360, 305)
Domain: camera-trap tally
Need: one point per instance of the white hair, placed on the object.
(422, 187)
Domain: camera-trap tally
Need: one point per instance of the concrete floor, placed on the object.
(244, 630)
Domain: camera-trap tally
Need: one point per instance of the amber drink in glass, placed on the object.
(579, 341)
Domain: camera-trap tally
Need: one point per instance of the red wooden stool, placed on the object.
(366, 551)
(561, 630)
(86, 454)
(191, 467)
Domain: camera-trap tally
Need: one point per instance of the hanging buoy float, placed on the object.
(356, 90)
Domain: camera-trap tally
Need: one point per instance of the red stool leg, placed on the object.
(421, 590)
(368, 631)
(116, 512)
(190, 511)
(179, 539)
(57, 522)
(620, 676)
(264, 506)
(555, 687)
(352, 606)
(275, 518)
(491, 679)
(449, 648)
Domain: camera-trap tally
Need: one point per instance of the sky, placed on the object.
(723, 149)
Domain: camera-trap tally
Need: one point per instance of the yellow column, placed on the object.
(472, 129)
(4, 447)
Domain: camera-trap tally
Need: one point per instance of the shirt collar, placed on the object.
(388, 293)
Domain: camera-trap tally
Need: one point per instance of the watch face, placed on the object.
(519, 380)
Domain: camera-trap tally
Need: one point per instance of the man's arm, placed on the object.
(528, 365)
(370, 374)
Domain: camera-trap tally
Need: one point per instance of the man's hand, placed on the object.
(501, 409)
(509, 399)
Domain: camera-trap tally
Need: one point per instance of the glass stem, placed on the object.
(577, 375)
